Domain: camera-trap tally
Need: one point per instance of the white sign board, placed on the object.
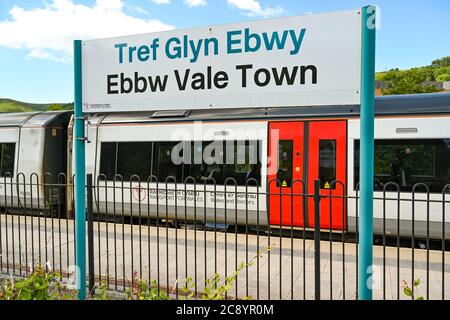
(306, 60)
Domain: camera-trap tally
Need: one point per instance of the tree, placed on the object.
(443, 77)
(55, 107)
(408, 82)
(442, 62)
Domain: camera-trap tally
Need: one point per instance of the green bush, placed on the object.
(40, 285)
(408, 82)
(48, 285)
(442, 62)
(441, 71)
(145, 290)
(443, 77)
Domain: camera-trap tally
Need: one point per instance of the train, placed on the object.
(242, 166)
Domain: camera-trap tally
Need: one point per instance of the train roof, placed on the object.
(34, 119)
(414, 104)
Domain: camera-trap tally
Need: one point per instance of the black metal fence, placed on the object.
(168, 232)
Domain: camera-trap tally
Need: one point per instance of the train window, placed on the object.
(284, 172)
(247, 164)
(407, 162)
(206, 165)
(126, 159)
(208, 159)
(221, 160)
(163, 166)
(327, 163)
(134, 158)
(7, 159)
(108, 159)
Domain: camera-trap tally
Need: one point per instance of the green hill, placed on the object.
(416, 80)
(9, 105)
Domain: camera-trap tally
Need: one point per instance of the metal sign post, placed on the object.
(80, 179)
(367, 153)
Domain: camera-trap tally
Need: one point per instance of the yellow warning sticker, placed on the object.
(327, 185)
(284, 184)
(54, 132)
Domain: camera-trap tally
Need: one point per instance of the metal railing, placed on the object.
(163, 231)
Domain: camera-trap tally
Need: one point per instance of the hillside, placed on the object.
(425, 79)
(9, 105)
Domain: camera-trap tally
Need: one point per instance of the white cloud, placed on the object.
(253, 8)
(195, 3)
(48, 32)
(140, 10)
(161, 1)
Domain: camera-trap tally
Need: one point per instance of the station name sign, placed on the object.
(306, 60)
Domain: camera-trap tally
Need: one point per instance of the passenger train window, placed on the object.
(163, 166)
(247, 167)
(327, 163)
(284, 172)
(200, 160)
(108, 159)
(407, 162)
(239, 160)
(7, 158)
(134, 158)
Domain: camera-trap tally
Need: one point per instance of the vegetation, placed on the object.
(144, 290)
(48, 285)
(55, 107)
(409, 291)
(415, 80)
(40, 285)
(9, 105)
(215, 288)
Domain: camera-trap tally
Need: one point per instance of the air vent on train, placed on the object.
(221, 133)
(406, 130)
(170, 114)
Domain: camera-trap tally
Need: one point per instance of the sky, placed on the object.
(36, 36)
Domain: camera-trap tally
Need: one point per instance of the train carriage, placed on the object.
(257, 165)
(33, 159)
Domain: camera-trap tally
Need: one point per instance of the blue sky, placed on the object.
(36, 36)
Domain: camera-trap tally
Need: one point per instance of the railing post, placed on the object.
(367, 153)
(80, 175)
(317, 239)
(90, 217)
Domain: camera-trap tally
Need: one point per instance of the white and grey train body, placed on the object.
(33, 159)
(412, 145)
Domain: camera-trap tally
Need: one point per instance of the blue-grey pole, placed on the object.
(80, 177)
(367, 153)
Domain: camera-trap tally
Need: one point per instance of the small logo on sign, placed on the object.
(139, 194)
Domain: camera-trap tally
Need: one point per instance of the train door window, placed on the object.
(327, 163)
(163, 165)
(7, 159)
(284, 172)
(134, 158)
(108, 160)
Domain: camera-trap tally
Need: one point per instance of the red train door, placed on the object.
(299, 153)
(285, 172)
(327, 161)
